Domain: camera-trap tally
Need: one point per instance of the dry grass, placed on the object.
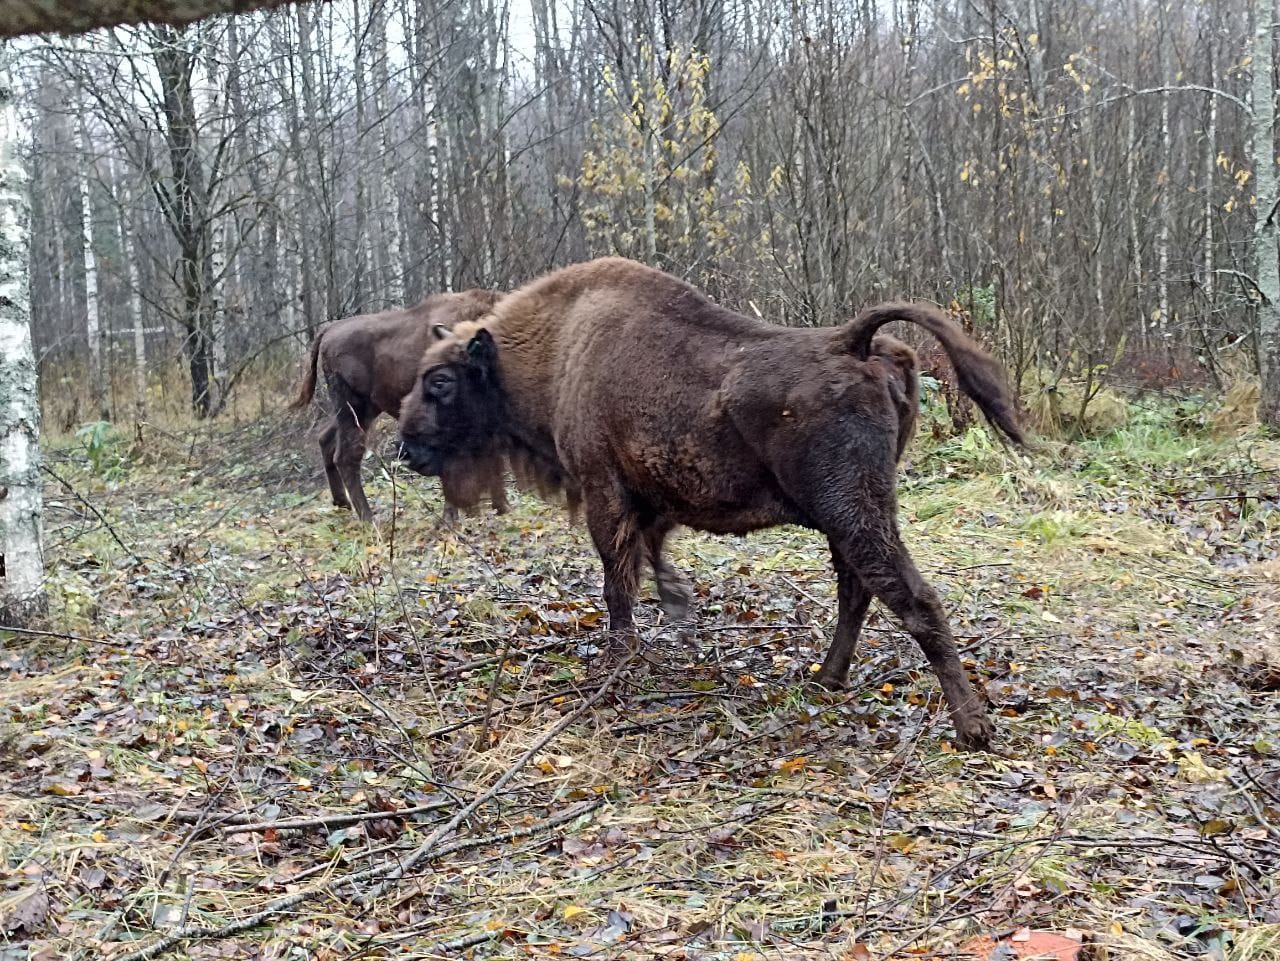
(254, 653)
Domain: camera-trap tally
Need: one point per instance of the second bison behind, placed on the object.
(652, 406)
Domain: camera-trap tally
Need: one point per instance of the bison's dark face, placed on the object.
(454, 410)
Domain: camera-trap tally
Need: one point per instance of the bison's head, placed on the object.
(455, 408)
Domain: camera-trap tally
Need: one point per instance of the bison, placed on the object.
(370, 362)
(652, 406)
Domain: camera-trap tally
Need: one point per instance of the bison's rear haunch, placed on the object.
(630, 390)
(369, 363)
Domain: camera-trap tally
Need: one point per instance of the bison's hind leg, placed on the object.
(329, 450)
(675, 593)
(886, 570)
(498, 495)
(846, 487)
(853, 601)
(352, 415)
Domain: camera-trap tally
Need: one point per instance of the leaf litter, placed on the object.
(250, 717)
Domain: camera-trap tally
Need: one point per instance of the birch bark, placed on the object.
(1266, 229)
(21, 564)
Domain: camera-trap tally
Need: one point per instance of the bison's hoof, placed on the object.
(831, 682)
(675, 597)
(974, 733)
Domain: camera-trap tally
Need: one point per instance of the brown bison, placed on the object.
(652, 406)
(370, 362)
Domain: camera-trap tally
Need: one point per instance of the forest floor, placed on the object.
(259, 730)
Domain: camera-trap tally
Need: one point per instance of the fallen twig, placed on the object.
(1255, 807)
(386, 877)
(425, 849)
(329, 820)
(564, 817)
(506, 654)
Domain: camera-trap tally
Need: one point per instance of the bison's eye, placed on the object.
(441, 385)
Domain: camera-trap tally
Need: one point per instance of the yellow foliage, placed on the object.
(649, 179)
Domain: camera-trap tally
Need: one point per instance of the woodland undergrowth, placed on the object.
(256, 729)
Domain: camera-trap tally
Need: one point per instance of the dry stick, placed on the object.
(34, 632)
(329, 821)
(250, 921)
(425, 849)
(475, 719)
(281, 905)
(395, 582)
(486, 661)
(440, 947)
(1254, 806)
(512, 835)
(483, 737)
(332, 863)
(572, 814)
(96, 513)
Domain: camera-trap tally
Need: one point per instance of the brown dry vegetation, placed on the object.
(229, 649)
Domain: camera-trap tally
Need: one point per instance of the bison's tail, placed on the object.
(979, 375)
(307, 389)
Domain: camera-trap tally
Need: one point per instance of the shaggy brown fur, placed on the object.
(654, 406)
(370, 362)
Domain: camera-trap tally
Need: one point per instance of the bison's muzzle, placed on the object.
(427, 461)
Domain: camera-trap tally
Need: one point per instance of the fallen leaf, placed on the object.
(26, 911)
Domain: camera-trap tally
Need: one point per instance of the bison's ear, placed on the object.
(441, 331)
(482, 351)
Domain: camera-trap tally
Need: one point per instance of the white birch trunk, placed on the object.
(1210, 160)
(391, 281)
(1135, 236)
(136, 320)
(21, 560)
(1266, 230)
(92, 321)
(1210, 157)
(218, 307)
(1166, 151)
(650, 161)
(361, 288)
(139, 331)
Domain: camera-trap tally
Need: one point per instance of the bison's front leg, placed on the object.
(887, 571)
(618, 541)
(853, 600)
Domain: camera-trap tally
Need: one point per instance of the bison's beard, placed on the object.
(466, 478)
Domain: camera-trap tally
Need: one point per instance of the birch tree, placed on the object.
(92, 320)
(21, 566)
(1267, 230)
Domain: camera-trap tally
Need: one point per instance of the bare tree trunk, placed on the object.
(391, 276)
(650, 135)
(139, 327)
(358, 284)
(92, 322)
(21, 505)
(1135, 236)
(137, 323)
(1162, 209)
(306, 251)
(1267, 230)
(189, 209)
(1210, 158)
